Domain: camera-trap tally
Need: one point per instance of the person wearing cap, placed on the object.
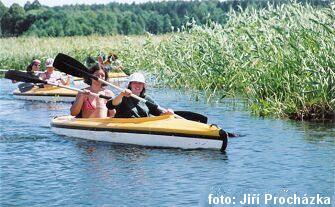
(88, 105)
(129, 107)
(53, 76)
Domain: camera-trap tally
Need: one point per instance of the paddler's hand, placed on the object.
(126, 93)
(167, 112)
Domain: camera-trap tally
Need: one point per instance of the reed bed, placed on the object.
(280, 59)
(17, 53)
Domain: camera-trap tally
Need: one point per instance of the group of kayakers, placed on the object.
(51, 75)
(88, 105)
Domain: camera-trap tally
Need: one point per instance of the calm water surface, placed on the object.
(39, 168)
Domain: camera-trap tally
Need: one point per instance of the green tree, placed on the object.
(167, 26)
(175, 21)
(70, 27)
(154, 24)
(13, 20)
(111, 23)
(30, 6)
(3, 10)
(126, 24)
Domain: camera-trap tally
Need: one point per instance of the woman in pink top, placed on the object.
(89, 105)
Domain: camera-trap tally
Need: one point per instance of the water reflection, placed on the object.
(134, 153)
(316, 132)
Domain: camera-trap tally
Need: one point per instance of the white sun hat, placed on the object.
(49, 62)
(138, 77)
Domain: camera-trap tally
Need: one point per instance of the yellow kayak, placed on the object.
(119, 74)
(113, 76)
(159, 131)
(51, 93)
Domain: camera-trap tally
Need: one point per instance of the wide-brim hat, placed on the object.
(138, 77)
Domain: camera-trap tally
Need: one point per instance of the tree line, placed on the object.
(34, 19)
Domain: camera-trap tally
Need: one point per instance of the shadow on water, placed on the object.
(128, 152)
(315, 132)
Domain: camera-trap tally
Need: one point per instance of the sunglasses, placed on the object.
(37, 65)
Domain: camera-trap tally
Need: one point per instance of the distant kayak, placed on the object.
(159, 131)
(46, 94)
(113, 77)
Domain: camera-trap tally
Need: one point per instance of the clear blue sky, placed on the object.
(63, 2)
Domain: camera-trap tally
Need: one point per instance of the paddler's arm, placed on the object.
(67, 82)
(153, 109)
(78, 103)
(167, 112)
(43, 76)
(111, 112)
(118, 99)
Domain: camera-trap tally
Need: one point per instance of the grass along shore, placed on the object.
(280, 59)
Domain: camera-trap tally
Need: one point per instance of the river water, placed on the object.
(277, 157)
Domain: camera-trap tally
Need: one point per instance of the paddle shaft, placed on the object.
(120, 89)
(79, 90)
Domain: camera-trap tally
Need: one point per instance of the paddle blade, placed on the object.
(70, 66)
(192, 116)
(20, 76)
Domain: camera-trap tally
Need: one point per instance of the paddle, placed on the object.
(192, 116)
(29, 78)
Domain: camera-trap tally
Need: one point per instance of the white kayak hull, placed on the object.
(152, 140)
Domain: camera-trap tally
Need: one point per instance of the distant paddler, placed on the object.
(34, 69)
(53, 76)
(114, 68)
(113, 64)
